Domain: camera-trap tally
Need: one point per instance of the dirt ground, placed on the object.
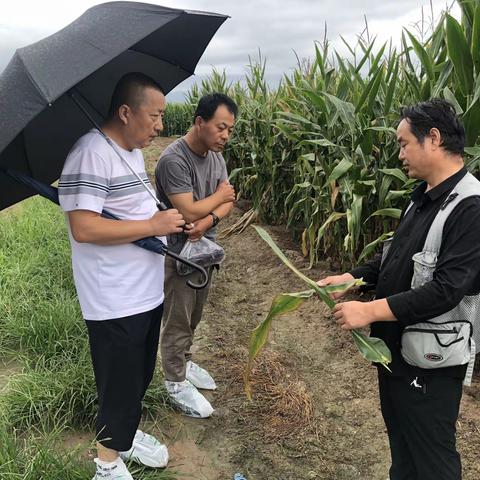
(315, 413)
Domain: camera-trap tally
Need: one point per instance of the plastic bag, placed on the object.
(205, 252)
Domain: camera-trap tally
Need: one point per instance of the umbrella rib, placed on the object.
(77, 92)
(31, 79)
(163, 60)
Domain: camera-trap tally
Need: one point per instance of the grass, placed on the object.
(35, 456)
(42, 330)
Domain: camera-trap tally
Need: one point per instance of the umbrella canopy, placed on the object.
(39, 122)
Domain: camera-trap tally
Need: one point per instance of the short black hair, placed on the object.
(440, 114)
(209, 103)
(130, 91)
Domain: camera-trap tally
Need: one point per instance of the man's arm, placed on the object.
(90, 227)
(193, 210)
(205, 223)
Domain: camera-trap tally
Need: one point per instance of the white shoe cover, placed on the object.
(146, 450)
(116, 470)
(199, 377)
(188, 399)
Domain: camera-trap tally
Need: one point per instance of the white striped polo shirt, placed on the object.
(112, 281)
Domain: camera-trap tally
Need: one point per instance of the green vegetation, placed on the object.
(319, 152)
(372, 349)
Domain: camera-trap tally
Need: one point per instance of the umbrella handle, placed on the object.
(196, 266)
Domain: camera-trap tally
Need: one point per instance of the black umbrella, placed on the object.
(39, 121)
(42, 86)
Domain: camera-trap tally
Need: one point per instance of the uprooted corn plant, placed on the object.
(372, 349)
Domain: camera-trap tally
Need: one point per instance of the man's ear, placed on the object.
(124, 112)
(435, 137)
(198, 122)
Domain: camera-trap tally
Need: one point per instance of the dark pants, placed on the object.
(124, 353)
(420, 414)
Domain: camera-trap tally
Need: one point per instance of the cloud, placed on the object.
(281, 30)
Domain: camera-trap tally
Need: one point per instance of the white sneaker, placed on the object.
(199, 377)
(116, 470)
(146, 450)
(188, 399)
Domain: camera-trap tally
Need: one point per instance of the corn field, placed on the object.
(319, 153)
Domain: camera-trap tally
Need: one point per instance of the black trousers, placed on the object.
(124, 354)
(420, 414)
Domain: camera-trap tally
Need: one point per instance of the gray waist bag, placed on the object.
(449, 339)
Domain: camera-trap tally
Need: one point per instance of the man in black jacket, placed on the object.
(420, 406)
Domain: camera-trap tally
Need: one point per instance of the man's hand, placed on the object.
(166, 222)
(350, 315)
(336, 280)
(225, 192)
(199, 228)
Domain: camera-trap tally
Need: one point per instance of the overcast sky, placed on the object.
(280, 29)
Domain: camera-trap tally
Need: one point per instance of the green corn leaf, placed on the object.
(446, 72)
(376, 60)
(319, 290)
(322, 142)
(365, 57)
(414, 83)
(236, 171)
(341, 169)
(423, 56)
(281, 304)
(475, 41)
(459, 53)
(374, 91)
(389, 130)
(319, 60)
(394, 172)
(372, 349)
(391, 90)
(393, 195)
(344, 110)
(370, 248)
(474, 151)
(333, 217)
(387, 212)
(366, 92)
(450, 96)
(406, 52)
(467, 7)
(471, 120)
(356, 219)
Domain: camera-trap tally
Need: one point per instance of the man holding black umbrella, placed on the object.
(119, 286)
